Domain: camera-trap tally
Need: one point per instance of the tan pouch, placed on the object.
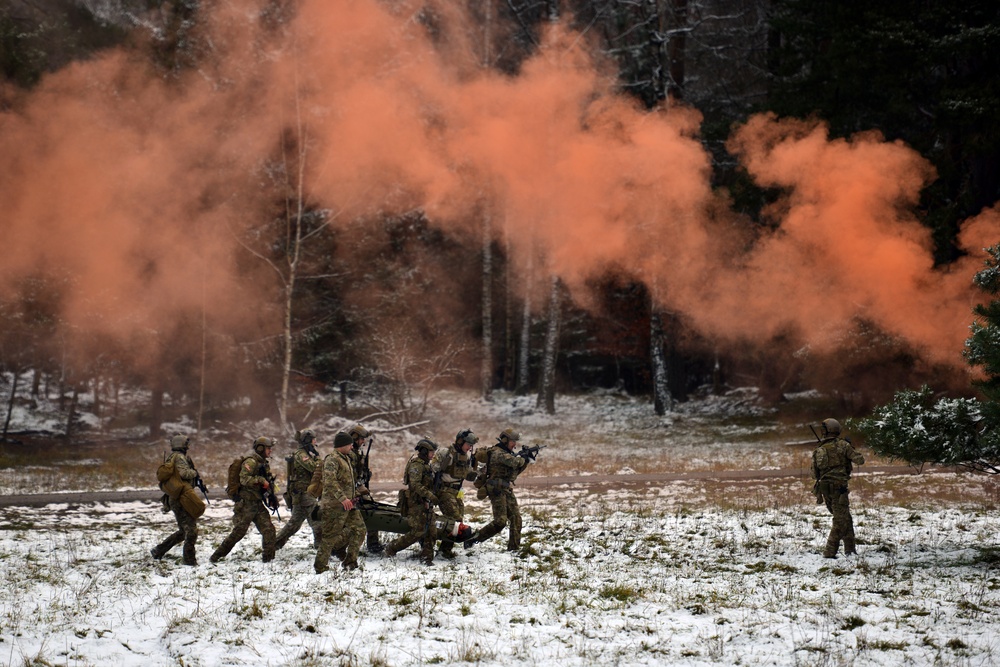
(192, 502)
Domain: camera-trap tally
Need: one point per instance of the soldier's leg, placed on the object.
(262, 519)
(190, 527)
(374, 543)
(838, 528)
(161, 549)
(299, 515)
(333, 523)
(313, 517)
(848, 534)
(499, 503)
(514, 514)
(417, 520)
(354, 530)
(243, 513)
(451, 507)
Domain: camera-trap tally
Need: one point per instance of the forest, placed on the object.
(233, 204)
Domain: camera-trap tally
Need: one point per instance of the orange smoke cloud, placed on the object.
(142, 186)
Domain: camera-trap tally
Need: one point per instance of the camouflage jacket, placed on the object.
(419, 479)
(183, 465)
(304, 464)
(834, 459)
(338, 478)
(453, 466)
(253, 474)
(503, 465)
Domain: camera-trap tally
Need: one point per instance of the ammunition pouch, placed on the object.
(403, 503)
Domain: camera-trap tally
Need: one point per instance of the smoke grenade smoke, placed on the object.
(145, 188)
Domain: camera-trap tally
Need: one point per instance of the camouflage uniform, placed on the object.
(304, 505)
(249, 508)
(343, 530)
(421, 500)
(187, 525)
(502, 468)
(454, 466)
(832, 464)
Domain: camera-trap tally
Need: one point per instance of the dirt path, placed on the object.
(89, 497)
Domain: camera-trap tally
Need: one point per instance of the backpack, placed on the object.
(233, 480)
(166, 470)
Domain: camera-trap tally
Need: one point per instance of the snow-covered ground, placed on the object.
(687, 573)
(619, 577)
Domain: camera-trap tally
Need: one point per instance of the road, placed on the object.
(89, 497)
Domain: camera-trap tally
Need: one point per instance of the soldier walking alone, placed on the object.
(833, 461)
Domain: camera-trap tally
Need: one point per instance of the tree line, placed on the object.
(923, 73)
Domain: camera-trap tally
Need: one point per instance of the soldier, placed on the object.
(501, 469)
(343, 527)
(832, 464)
(421, 500)
(363, 474)
(302, 465)
(255, 480)
(452, 466)
(187, 525)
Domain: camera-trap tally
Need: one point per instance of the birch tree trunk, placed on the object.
(524, 349)
(547, 387)
(10, 404)
(662, 400)
(486, 368)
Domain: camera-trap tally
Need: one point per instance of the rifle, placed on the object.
(530, 453)
(815, 434)
(366, 472)
(269, 494)
(200, 484)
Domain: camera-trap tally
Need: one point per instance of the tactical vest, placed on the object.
(426, 478)
(299, 475)
(459, 466)
(830, 460)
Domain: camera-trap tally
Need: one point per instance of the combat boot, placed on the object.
(849, 547)
(155, 554)
(472, 541)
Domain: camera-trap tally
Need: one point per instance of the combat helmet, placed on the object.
(466, 436)
(261, 443)
(358, 431)
(426, 444)
(180, 442)
(831, 427)
(510, 434)
(306, 437)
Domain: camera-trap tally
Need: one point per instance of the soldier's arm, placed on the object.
(855, 455)
(415, 478)
(184, 468)
(248, 474)
(306, 462)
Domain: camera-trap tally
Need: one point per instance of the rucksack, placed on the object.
(233, 480)
(165, 471)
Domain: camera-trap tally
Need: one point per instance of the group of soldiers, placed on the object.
(329, 493)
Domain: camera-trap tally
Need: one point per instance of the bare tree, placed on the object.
(547, 386)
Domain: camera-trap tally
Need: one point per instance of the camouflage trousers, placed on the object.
(835, 495)
(304, 506)
(187, 532)
(343, 533)
(245, 512)
(451, 507)
(505, 513)
(421, 522)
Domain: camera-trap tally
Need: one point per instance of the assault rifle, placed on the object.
(270, 496)
(530, 453)
(366, 472)
(200, 484)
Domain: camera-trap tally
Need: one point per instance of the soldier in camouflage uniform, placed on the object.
(304, 506)
(255, 474)
(343, 526)
(832, 464)
(187, 525)
(502, 466)
(362, 474)
(451, 466)
(421, 500)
